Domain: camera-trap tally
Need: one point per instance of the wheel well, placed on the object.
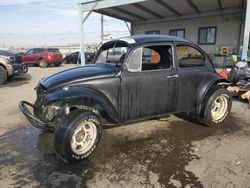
(218, 83)
(84, 104)
(40, 59)
(3, 66)
(89, 104)
(5, 69)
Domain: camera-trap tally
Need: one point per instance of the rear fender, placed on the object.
(68, 94)
(209, 81)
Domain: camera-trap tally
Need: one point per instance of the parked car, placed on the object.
(75, 58)
(179, 78)
(10, 65)
(72, 58)
(43, 57)
(114, 56)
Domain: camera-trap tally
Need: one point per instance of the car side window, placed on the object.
(188, 56)
(39, 50)
(151, 58)
(30, 52)
(135, 60)
(35, 51)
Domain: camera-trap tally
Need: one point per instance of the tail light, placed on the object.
(49, 56)
(223, 75)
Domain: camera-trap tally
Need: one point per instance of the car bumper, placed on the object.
(23, 105)
(19, 69)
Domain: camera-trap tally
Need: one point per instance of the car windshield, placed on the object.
(112, 54)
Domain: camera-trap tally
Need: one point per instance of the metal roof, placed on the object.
(149, 10)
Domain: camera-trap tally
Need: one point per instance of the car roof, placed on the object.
(44, 48)
(150, 38)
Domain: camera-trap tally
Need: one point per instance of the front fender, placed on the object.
(5, 64)
(210, 80)
(71, 93)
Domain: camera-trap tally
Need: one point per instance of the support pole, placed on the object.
(81, 27)
(129, 29)
(246, 32)
(102, 29)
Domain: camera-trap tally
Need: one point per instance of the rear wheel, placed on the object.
(3, 75)
(77, 136)
(42, 63)
(217, 106)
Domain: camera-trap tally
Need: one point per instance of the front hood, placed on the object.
(78, 74)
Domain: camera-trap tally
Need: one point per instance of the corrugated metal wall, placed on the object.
(228, 30)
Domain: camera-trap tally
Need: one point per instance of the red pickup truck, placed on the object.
(43, 57)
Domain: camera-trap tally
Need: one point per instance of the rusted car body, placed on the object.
(155, 75)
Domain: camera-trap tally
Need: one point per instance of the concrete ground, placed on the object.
(165, 152)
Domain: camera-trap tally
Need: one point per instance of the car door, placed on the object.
(28, 56)
(36, 55)
(149, 82)
(192, 71)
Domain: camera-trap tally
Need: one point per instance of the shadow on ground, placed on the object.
(143, 159)
(17, 81)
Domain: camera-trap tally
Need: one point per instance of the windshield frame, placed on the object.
(110, 45)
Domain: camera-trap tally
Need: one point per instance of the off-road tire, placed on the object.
(64, 132)
(42, 63)
(3, 75)
(206, 117)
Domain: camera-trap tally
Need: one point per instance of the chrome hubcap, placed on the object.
(41, 63)
(219, 107)
(83, 138)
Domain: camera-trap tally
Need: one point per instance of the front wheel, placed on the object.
(217, 106)
(77, 136)
(3, 75)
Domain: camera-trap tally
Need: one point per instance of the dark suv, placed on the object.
(75, 58)
(154, 75)
(10, 65)
(43, 57)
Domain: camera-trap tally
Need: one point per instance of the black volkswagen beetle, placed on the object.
(154, 75)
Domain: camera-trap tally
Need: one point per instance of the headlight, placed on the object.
(10, 59)
(52, 110)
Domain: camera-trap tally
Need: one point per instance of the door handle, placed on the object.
(172, 76)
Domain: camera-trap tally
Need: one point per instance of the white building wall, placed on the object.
(228, 30)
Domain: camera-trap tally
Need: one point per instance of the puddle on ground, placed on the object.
(153, 159)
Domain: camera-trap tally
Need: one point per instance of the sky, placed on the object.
(38, 23)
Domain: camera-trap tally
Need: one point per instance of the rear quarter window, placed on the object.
(189, 56)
